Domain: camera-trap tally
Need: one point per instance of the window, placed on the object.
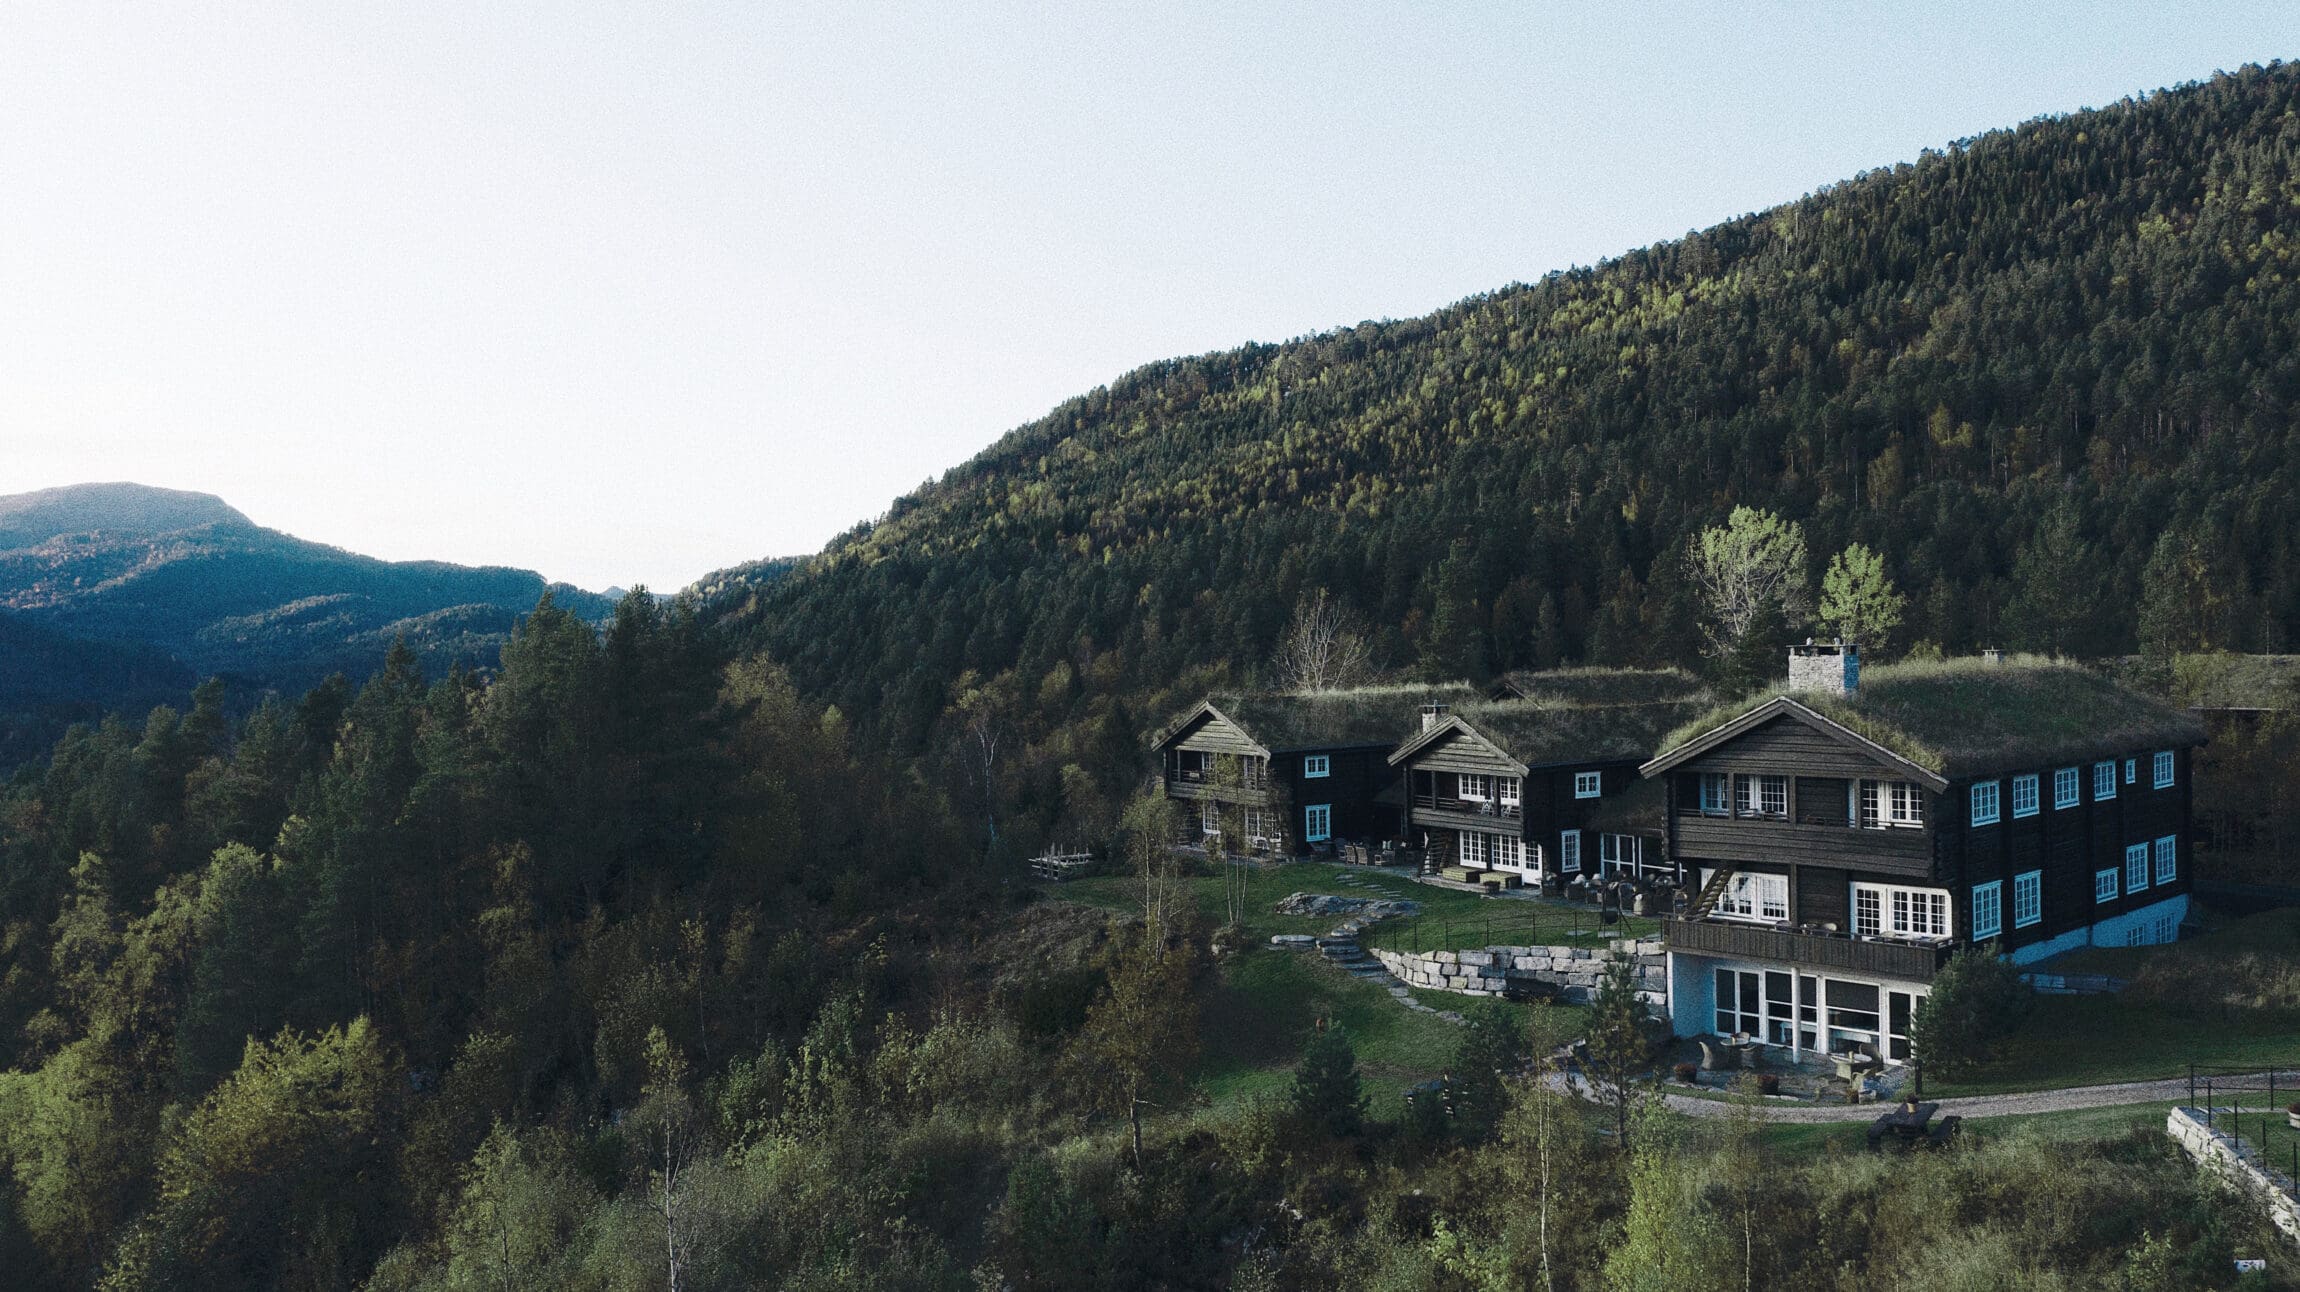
(1764, 796)
(2131, 770)
(2064, 790)
(1488, 851)
(1478, 789)
(1984, 803)
(1261, 827)
(2104, 885)
(2103, 781)
(1510, 790)
(2167, 859)
(1988, 909)
(1587, 785)
(2135, 867)
(1751, 896)
(1884, 910)
(2163, 761)
(1209, 816)
(1892, 804)
(1316, 765)
(1617, 853)
(1569, 851)
(1713, 794)
(2024, 796)
(2028, 899)
(1318, 822)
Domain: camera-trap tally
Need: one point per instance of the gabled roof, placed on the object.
(1782, 707)
(1960, 718)
(1361, 717)
(1573, 717)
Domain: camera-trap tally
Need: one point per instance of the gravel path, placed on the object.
(2035, 1101)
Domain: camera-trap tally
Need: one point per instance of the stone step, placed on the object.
(1293, 941)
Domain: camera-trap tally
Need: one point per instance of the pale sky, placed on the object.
(630, 293)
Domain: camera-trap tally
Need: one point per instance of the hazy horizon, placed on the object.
(628, 297)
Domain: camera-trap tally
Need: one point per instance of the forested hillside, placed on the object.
(2049, 373)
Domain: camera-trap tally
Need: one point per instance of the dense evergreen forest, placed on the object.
(2050, 373)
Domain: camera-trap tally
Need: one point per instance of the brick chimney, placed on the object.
(1832, 668)
(1433, 714)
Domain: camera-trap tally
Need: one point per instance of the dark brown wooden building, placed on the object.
(1848, 835)
(1543, 783)
(1292, 774)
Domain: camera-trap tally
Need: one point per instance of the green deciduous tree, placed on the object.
(1858, 602)
(1754, 560)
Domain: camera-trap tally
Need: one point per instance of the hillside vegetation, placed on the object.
(2049, 372)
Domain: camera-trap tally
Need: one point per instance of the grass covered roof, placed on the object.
(1967, 717)
(1363, 715)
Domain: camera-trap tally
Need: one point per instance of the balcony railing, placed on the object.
(1913, 961)
(1469, 807)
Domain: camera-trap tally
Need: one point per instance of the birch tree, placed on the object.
(1324, 649)
(1753, 560)
(1858, 603)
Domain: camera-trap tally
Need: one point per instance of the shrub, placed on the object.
(1685, 1072)
(1977, 1001)
(1326, 1091)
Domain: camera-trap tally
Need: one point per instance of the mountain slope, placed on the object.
(2049, 372)
(119, 595)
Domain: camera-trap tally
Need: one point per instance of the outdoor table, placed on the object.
(1904, 1121)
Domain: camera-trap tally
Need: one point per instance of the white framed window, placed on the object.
(1766, 796)
(1617, 853)
(1984, 796)
(1209, 816)
(2131, 770)
(1261, 827)
(1891, 911)
(1490, 851)
(2104, 885)
(1509, 791)
(1588, 785)
(2024, 795)
(1713, 794)
(2028, 898)
(2064, 788)
(1750, 895)
(2163, 768)
(1473, 848)
(2167, 859)
(1892, 804)
(1318, 822)
(1474, 788)
(1317, 765)
(1569, 851)
(1988, 909)
(2135, 867)
(2103, 781)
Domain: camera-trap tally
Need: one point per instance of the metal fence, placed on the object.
(1530, 925)
(2254, 1107)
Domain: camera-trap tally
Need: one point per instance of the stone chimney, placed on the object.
(1433, 714)
(1832, 668)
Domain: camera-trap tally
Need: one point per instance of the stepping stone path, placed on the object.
(1340, 947)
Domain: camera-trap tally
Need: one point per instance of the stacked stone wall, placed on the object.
(2219, 1150)
(1572, 971)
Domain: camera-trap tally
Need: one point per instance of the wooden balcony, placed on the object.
(1470, 807)
(1908, 961)
(1897, 853)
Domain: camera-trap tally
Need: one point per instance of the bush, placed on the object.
(1327, 1094)
(1977, 1001)
(1686, 1072)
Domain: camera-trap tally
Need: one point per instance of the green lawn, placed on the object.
(2267, 933)
(1265, 1001)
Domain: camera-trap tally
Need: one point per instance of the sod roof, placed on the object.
(1359, 716)
(1967, 717)
(1577, 716)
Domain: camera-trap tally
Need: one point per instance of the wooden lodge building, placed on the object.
(1542, 784)
(1292, 774)
(1850, 832)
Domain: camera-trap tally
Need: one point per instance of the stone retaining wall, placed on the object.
(1573, 970)
(2214, 1147)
